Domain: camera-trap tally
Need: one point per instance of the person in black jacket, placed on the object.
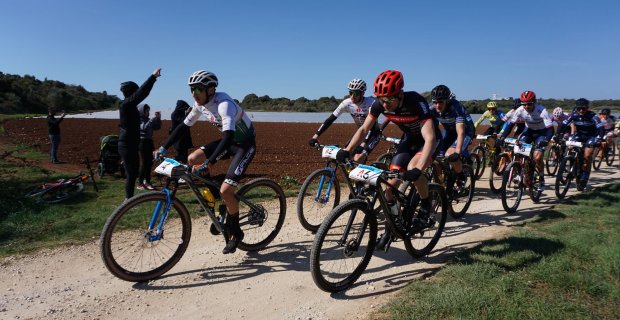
(185, 141)
(129, 136)
(146, 148)
(53, 128)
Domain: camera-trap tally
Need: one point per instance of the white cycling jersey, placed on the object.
(538, 119)
(224, 113)
(358, 112)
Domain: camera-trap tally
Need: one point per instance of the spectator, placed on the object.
(53, 128)
(183, 145)
(146, 147)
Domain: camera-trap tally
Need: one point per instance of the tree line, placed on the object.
(28, 95)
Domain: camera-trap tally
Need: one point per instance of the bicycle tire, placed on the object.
(564, 177)
(459, 203)
(596, 159)
(552, 160)
(422, 243)
(125, 248)
(62, 193)
(512, 180)
(482, 163)
(496, 172)
(261, 223)
(535, 190)
(385, 158)
(329, 249)
(311, 208)
(611, 154)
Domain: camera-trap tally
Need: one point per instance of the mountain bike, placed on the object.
(485, 152)
(320, 192)
(571, 167)
(63, 189)
(606, 152)
(499, 164)
(149, 233)
(553, 156)
(386, 158)
(346, 240)
(459, 188)
(521, 173)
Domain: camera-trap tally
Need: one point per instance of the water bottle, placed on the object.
(208, 195)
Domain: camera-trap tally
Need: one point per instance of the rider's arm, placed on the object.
(361, 133)
(428, 133)
(479, 121)
(460, 137)
(176, 134)
(328, 122)
(227, 140)
(507, 128)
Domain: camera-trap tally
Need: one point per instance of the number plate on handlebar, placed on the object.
(393, 140)
(574, 144)
(510, 141)
(330, 152)
(482, 137)
(366, 174)
(524, 149)
(170, 168)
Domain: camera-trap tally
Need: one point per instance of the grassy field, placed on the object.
(564, 264)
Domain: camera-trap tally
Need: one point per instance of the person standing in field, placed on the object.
(53, 129)
(146, 147)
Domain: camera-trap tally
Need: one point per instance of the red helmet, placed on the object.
(389, 83)
(528, 96)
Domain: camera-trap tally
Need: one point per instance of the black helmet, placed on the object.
(582, 102)
(441, 92)
(516, 103)
(128, 88)
(605, 111)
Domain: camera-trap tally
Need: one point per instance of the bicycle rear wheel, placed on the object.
(262, 216)
(62, 193)
(512, 187)
(318, 195)
(134, 252)
(564, 177)
(421, 243)
(611, 153)
(496, 174)
(343, 246)
(552, 160)
(462, 193)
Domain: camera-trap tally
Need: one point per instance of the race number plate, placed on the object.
(366, 174)
(524, 149)
(167, 167)
(574, 144)
(481, 137)
(330, 152)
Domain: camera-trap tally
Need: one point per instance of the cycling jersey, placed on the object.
(495, 119)
(358, 112)
(224, 113)
(558, 120)
(508, 116)
(454, 113)
(608, 123)
(588, 125)
(538, 119)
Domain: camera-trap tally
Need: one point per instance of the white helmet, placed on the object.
(557, 112)
(205, 78)
(357, 84)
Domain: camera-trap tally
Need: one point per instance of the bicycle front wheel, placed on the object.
(462, 192)
(552, 160)
(598, 158)
(318, 195)
(536, 189)
(512, 187)
(564, 177)
(261, 213)
(479, 167)
(343, 246)
(62, 193)
(611, 153)
(145, 237)
(498, 166)
(421, 243)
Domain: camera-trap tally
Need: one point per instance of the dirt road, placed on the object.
(72, 283)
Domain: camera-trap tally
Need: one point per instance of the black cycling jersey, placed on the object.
(409, 117)
(587, 125)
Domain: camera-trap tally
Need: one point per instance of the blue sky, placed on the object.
(559, 49)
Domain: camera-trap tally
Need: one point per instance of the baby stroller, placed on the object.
(109, 158)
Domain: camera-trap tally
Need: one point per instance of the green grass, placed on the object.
(564, 264)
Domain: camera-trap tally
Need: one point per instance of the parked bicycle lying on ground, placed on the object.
(63, 189)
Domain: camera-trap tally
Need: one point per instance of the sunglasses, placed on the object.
(438, 101)
(387, 100)
(356, 93)
(580, 108)
(527, 104)
(196, 90)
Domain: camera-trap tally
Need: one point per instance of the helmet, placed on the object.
(516, 103)
(357, 84)
(389, 83)
(528, 97)
(582, 103)
(605, 111)
(205, 78)
(557, 112)
(441, 92)
(128, 88)
(492, 105)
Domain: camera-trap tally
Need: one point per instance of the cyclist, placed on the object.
(519, 125)
(411, 113)
(607, 119)
(538, 127)
(586, 128)
(494, 116)
(238, 142)
(457, 124)
(357, 105)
